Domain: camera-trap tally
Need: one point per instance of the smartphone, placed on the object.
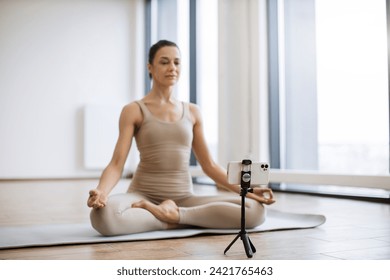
(259, 172)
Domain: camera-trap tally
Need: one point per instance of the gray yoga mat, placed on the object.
(64, 234)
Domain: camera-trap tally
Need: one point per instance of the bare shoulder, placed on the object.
(132, 114)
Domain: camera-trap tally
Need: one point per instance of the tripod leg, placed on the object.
(247, 245)
(231, 243)
(252, 246)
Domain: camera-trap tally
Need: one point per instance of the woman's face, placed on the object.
(165, 69)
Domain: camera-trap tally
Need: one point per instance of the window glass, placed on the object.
(352, 86)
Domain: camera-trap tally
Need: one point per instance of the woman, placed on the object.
(160, 195)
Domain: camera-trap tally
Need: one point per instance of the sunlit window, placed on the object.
(334, 101)
(352, 79)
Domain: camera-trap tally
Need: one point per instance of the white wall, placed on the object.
(56, 57)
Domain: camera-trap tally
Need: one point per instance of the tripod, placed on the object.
(245, 188)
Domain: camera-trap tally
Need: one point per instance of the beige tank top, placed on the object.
(165, 149)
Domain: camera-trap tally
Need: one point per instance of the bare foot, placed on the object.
(167, 211)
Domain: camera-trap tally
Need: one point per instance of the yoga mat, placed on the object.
(64, 234)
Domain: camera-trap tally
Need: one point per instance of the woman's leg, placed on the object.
(119, 217)
(220, 211)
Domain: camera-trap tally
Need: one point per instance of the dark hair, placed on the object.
(154, 49)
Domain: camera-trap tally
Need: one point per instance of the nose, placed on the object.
(172, 66)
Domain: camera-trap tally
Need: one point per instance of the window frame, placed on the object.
(303, 181)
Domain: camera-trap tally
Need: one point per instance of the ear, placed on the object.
(150, 69)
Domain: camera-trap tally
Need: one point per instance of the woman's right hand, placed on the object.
(96, 199)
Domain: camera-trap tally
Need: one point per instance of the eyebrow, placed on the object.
(167, 58)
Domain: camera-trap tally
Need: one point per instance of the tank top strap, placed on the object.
(186, 108)
(144, 109)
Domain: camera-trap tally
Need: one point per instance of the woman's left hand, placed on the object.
(263, 195)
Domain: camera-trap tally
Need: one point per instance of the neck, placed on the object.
(162, 94)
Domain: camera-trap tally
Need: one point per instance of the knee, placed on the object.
(102, 221)
(255, 214)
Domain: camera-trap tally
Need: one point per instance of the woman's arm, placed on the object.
(212, 169)
(130, 118)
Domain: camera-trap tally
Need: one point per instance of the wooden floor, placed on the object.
(355, 230)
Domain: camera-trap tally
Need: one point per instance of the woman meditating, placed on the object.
(161, 195)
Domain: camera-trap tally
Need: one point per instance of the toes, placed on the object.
(138, 204)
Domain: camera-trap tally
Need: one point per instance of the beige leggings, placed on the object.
(218, 211)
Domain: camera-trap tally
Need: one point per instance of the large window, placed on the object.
(329, 96)
(333, 86)
(352, 79)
